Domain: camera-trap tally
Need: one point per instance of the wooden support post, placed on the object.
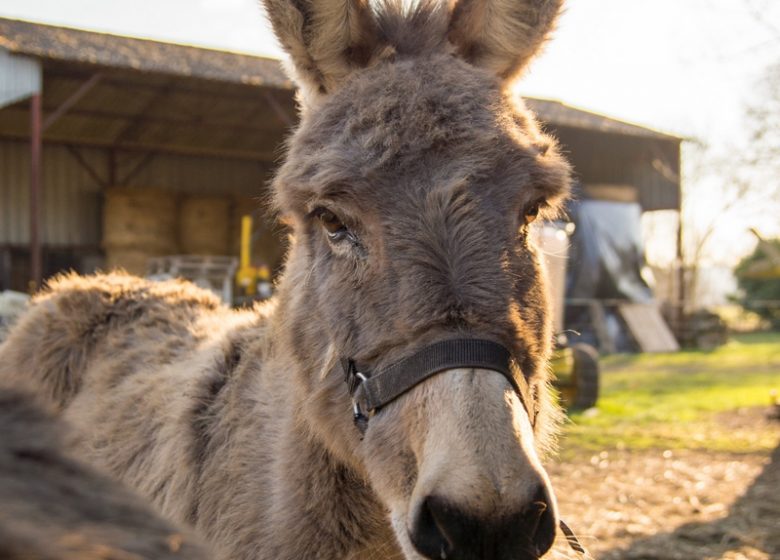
(36, 264)
(680, 326)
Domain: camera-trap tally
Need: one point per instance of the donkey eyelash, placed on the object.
(333, 225)
(532, 211)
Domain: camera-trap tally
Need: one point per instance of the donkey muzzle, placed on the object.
(481, 492)
(442, 530)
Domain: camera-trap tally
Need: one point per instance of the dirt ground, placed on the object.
(673, 504)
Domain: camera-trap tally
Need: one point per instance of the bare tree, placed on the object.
(715, 180)
(740, 186)
(763, 119)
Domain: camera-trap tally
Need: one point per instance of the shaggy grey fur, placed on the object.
(52, 507)
(235, 422)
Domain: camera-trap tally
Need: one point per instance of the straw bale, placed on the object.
(133, 260)
(139, 218)
(204, 224)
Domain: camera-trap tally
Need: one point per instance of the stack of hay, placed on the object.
(142, 223)
(203, 225)
(138, 224)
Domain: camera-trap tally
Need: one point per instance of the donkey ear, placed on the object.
(502, 35)
(326, 39)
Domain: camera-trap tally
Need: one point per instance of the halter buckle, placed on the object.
(354, 379)
(358, 416)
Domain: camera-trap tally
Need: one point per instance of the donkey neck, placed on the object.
(304, 502)
(329, 508)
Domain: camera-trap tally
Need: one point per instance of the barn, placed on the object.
(116, 149)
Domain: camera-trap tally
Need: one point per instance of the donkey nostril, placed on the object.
(430, 533)
(540, 519)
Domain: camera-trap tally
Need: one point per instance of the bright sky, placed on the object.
(684, 66)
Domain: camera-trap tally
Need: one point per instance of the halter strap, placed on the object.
(573, 541)
(370, 392)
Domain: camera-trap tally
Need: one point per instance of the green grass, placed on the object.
(684, 400)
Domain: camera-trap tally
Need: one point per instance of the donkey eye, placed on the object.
(532, 212)
(333, 225)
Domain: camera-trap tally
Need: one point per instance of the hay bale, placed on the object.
(203, 225)
(139, 218)
(133, 260)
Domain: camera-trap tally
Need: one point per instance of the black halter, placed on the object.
(372, 391)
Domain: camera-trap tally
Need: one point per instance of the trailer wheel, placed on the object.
(585, 376)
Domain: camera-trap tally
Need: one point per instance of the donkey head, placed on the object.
(411, 184)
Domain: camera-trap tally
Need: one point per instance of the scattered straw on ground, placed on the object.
(672, 505)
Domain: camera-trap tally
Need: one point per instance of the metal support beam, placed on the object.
(219, 92)
(266, 156)
(112, 166)
(6, 262)
(86, 166)
(36, 144)
(132, 127)
(168, 120)
(145, 160)
(71, 100)
(682, 291)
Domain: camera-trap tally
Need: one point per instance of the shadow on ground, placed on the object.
(749, 531)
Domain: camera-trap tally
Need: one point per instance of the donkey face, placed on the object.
(411, 184)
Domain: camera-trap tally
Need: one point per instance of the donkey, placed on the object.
(52, 507)
(410, 185)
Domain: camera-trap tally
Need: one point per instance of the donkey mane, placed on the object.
(410, 30)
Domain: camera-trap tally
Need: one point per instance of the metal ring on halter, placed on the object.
(360, 419)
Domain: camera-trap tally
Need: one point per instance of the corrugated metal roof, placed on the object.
(152, 112)
(647, 164)
(114, 51)
(561, 114)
